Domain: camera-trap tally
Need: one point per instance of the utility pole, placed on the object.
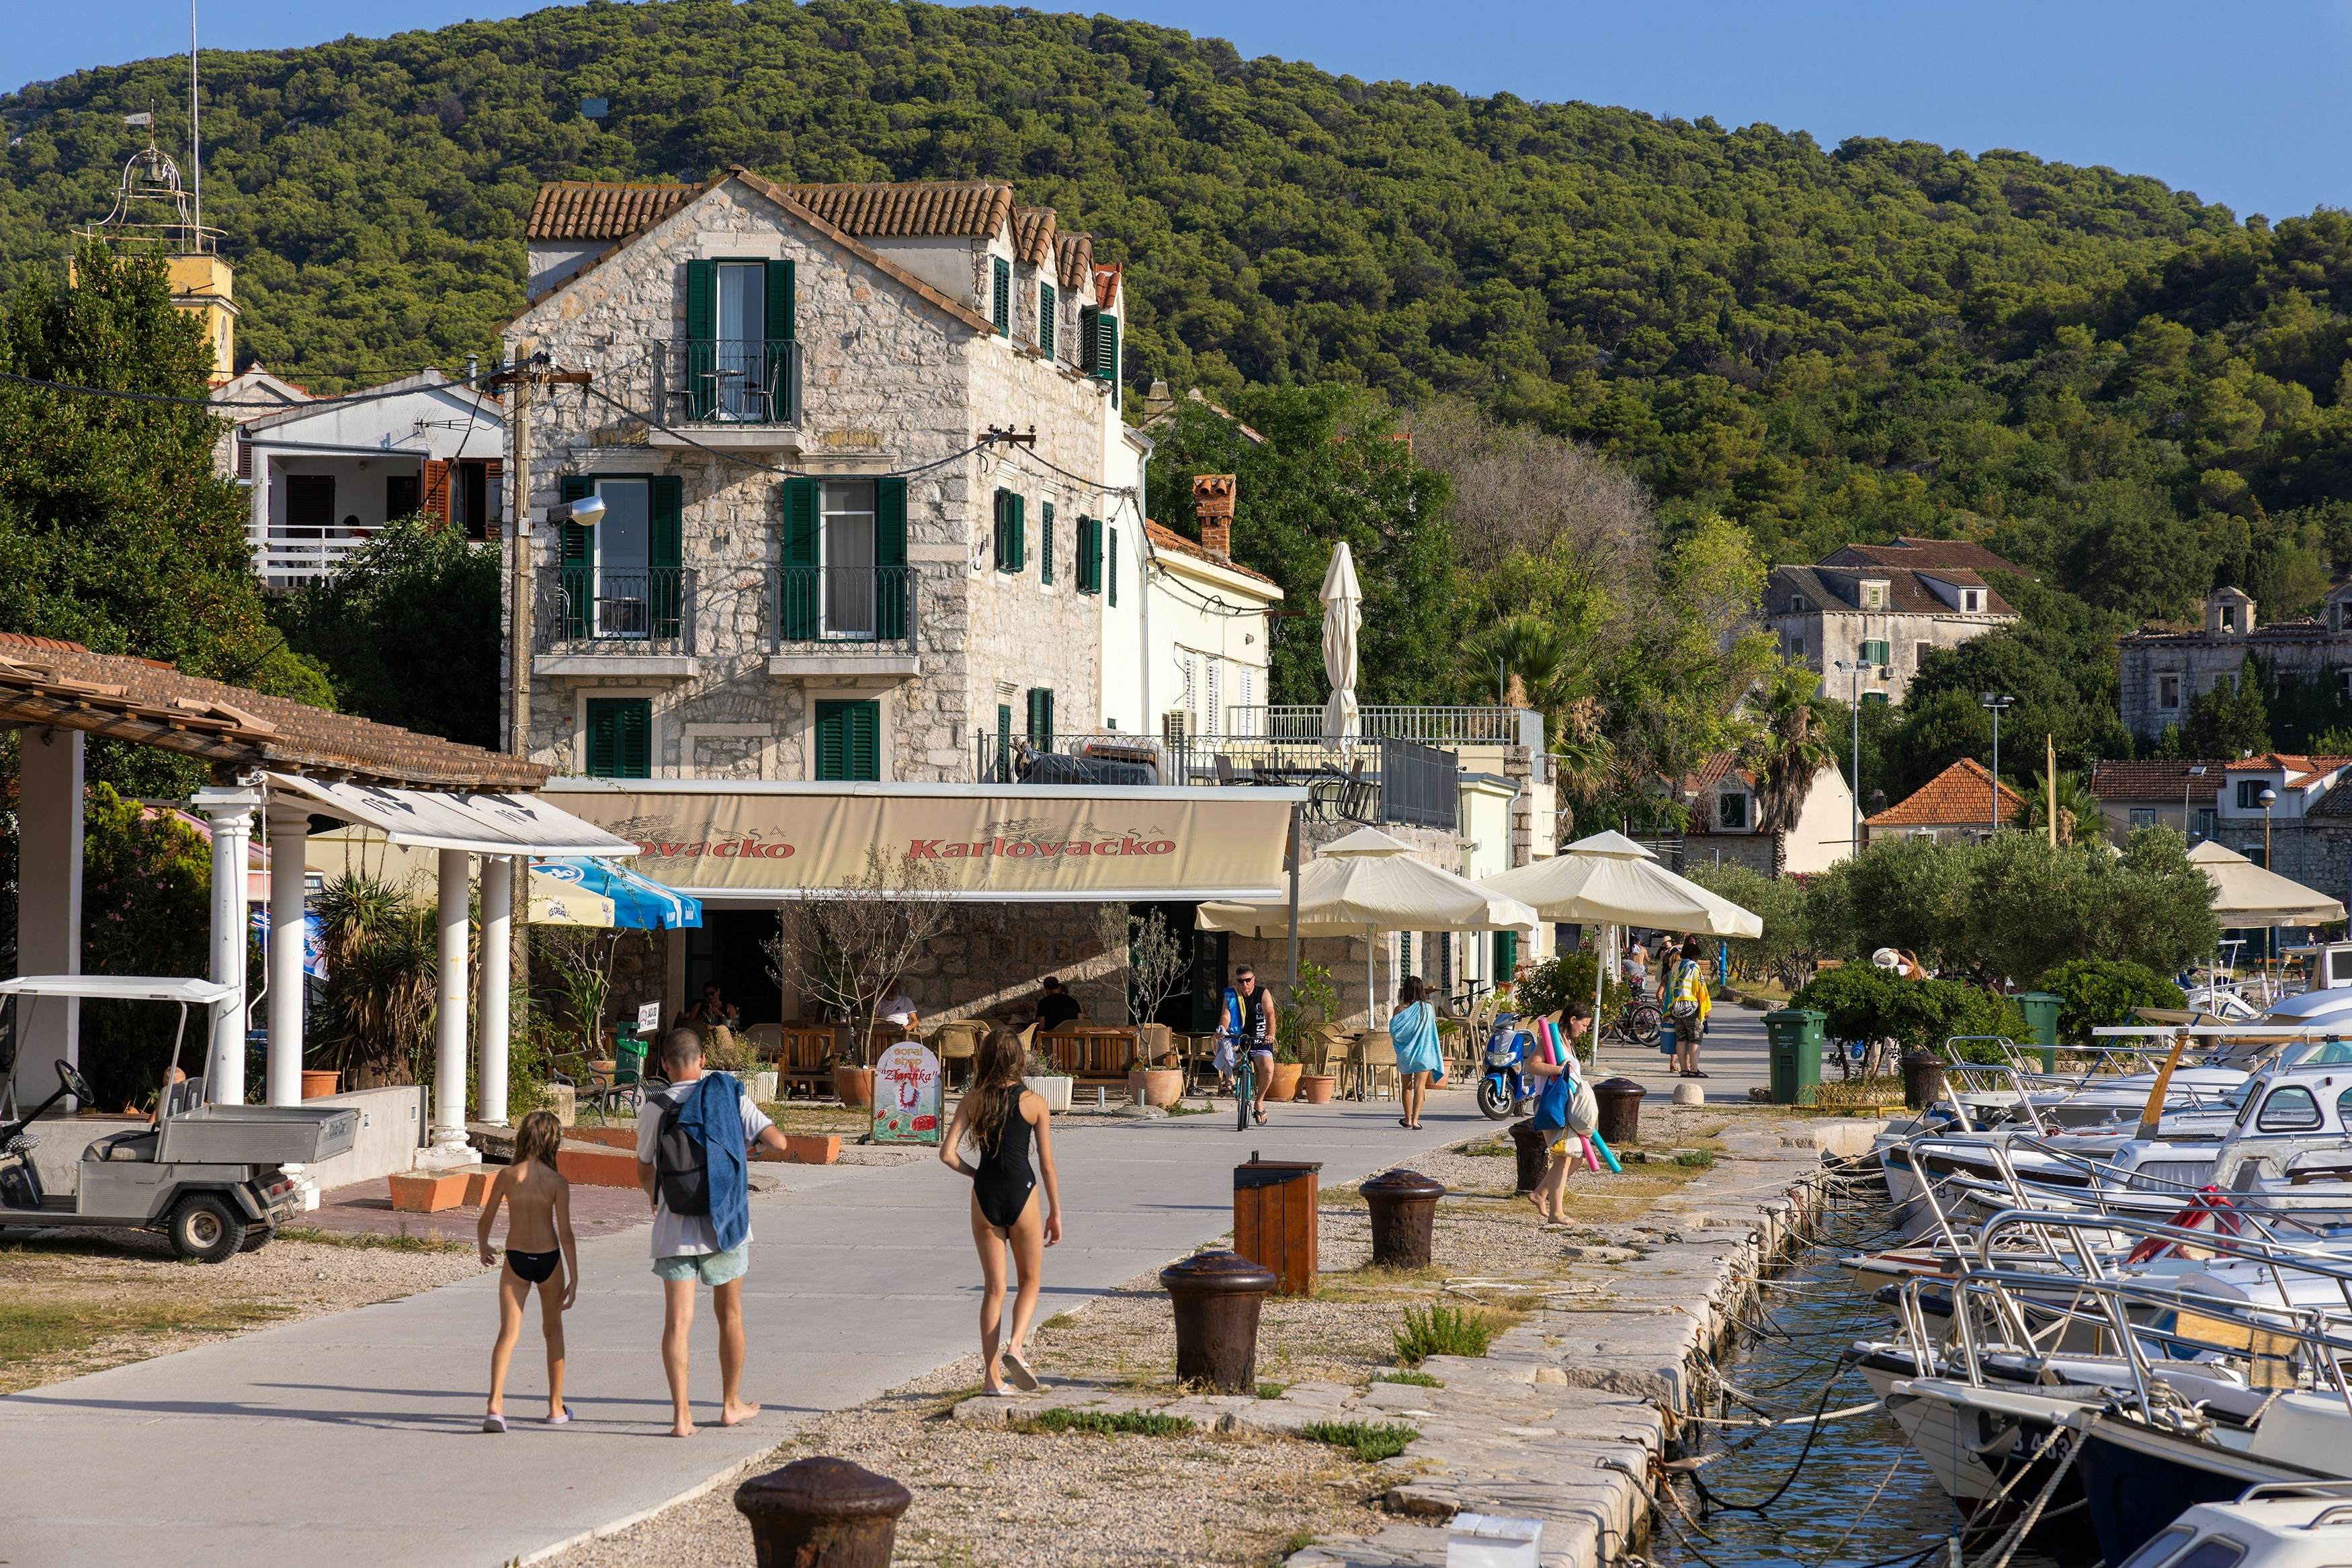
(522, 378)
(2049, 780)
(1993, 702)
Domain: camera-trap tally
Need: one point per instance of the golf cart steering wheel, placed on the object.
(76, 1084)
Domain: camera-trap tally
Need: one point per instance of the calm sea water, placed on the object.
(1827, 1519)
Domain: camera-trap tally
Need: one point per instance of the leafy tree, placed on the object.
(2230, 720)
(1790, 946)
(1789, 751)
(2078, 809)
(407, 629)
(146, 901)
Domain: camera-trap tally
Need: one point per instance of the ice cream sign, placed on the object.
(906, 1094)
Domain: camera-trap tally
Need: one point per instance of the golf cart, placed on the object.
(209, 1176)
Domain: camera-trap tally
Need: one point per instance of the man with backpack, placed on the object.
(694, 1139)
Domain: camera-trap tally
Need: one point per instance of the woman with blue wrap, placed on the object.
(1413, 1028)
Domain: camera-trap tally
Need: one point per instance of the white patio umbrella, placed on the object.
(2246, 894)
(1343, 613)
(1610, 879)
(1366, 884)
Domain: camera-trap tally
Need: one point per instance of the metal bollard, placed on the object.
(1533, 1152)
(823, 1512)
(1923, 1080)
(1404, 1211)
(1216, 1296)
(1621, 1110)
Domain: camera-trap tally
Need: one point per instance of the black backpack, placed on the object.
(680, 1169)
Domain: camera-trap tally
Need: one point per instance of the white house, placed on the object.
(1721, 796)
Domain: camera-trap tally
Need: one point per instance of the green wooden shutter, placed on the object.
(998, 541)
(1048, 308)
(1089, 555)
(890, 595)
(1083, 356)
(1000, 301)
(1111, 556)
(1109, 344)
(1004, 743)
(576, 573)
(1506, 956)
(782, 294)
(666, 594)
(701, 327)
(1045, 542)
(1041, 717)
(620, 738)
(797, 597)
(848, 742)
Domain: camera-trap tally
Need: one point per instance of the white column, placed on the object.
(230, 810)
(491, 997)
(289, 827)
(48, 903)
(450, 1022)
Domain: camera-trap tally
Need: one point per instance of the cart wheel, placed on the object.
(206, 1230)
(257, 1237)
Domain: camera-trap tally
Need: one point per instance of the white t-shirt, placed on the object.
(685, 1235)
(899, 1009)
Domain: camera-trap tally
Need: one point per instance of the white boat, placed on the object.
(2266, 1527)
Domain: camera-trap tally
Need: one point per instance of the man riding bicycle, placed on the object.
(1245, 1028)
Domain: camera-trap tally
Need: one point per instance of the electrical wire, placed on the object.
(273, 406)
(991, 439)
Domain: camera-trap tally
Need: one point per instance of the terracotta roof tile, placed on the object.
(148, 703)
(1033, 234)
(1711, 772)
(588, 209)
(1107, 281)
(2154, 781)
(1907, 551)
(1839, 587)
(1168, 538)
(1960, 795)
(1076, 255)
(976, 208)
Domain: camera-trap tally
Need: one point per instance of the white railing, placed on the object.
(287, 561)
(1423, 726)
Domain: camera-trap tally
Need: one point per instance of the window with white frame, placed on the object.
(1874, 595)
(2143, 816)
(1972, 599)
(845, 545)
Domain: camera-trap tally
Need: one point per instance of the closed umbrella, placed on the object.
(639, 904)
(1366, 884)
(1343, 611)
(1610, 879)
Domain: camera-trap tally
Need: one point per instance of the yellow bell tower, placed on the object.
(154, 214)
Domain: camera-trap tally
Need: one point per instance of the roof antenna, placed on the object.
(195, 137)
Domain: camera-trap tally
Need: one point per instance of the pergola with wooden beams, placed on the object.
(291, 761)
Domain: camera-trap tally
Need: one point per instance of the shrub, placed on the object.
(1111, 1423)
(1865, 1003)
(1442, 1330)
(1372, 1442)
(1697, 1159)
(2093, 993)
(1552, 985)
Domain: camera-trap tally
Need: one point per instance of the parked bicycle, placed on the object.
(1464, 1002)
(1638, 1022)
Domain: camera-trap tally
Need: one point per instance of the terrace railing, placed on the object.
(728, 381)
(652, 608)
(843, 608)
(1297, 722)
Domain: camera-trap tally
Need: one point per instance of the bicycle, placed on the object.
(1638, 1022)
(1464, 1002)
(1243, 1092)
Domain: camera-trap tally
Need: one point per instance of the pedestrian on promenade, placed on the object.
(694, 1143)
(541, 1252)
(1566, 1101)
(1001, 1119)
(1413, 1029)
(1688, 1007)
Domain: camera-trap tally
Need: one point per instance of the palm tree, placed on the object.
(2078, 809)
(1788, 754)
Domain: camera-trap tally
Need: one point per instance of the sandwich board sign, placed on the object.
(907, 1091)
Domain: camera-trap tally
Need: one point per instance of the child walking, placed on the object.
(540, 1249)
(1004, 1119)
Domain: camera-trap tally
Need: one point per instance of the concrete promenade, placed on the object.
(353, 1440)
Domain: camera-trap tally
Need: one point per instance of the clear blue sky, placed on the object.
(2242, 104)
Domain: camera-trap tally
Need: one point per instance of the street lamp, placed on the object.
(1853, 669)
(586, 512)
(1993, 703)
(2266, 800)
(2194, 773)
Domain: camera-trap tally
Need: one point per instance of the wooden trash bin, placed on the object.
(1275, 1227)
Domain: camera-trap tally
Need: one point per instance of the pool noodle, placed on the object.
(1607, 1153)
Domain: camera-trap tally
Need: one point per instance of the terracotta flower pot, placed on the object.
(854, 1085)
(317, 1084)
(1282, 1082)
(1161, 1086)
(1316, 1088)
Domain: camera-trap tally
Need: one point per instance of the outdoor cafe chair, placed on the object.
(1376, 1054)
(958, 1041)
(601, 1085)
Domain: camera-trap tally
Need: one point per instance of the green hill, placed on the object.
(2120, 385)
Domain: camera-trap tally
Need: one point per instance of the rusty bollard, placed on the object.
(1534, 1153)
(1621, 1112)
(1404, 1208)
(1216, 1296)
(1923, 1080)
(823, 1512)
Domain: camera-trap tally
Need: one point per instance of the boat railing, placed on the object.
(2277, 1258)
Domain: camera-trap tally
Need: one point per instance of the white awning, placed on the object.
(119, 987)
(452, 820)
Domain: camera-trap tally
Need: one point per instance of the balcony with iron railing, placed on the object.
(844, 623)
(638, 622)
(727, 392)
(1384, 779)
(1297, 722)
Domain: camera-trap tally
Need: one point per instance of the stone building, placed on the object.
(1722, 802)
(2164, 671)
(1883, 607)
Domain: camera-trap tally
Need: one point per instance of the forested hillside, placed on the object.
(2126, 389)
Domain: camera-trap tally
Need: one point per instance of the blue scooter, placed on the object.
(1506, 1086)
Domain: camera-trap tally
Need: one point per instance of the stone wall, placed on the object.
(2200, 661)
(1829, 637)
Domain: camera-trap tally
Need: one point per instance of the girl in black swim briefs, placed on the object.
(540, 1255)
(1002, 1120)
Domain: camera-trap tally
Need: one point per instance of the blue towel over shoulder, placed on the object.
(712, 1115)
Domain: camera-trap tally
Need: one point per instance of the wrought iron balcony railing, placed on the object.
(845, 608)
(728, 381)
(651, 606)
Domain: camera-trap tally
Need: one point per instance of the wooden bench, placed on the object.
(804, 1058)
(1095, 1055)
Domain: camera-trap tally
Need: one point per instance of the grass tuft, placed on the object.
(1271, 1390)
(1695, 1159)
(1109, 1423)
(369, 1242)
(1418, 1379)
(1442, 1330)
(1372, 1442)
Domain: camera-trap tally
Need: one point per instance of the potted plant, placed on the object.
(1051, 1084)
(1155, 967)
(1311, 1003)
(846, 950)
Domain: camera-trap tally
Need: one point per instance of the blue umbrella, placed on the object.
(639, 903)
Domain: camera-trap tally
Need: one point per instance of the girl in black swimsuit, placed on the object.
(538, 1246)
(1004, 1119)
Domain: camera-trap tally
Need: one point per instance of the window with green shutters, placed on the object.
(736, 360)
(1875, 651)
(1001, 305)
(1045, 542)
(1011, 547)
(849, 742)
(1049, 305)
(659, 581)
(620, 738)
(576, 567)
(891, 588)
(1111, 563)
(1041, 717)
(1004, 743)
(1090, 555)
(1099, 347)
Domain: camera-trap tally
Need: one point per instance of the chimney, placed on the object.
(1212, 505)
